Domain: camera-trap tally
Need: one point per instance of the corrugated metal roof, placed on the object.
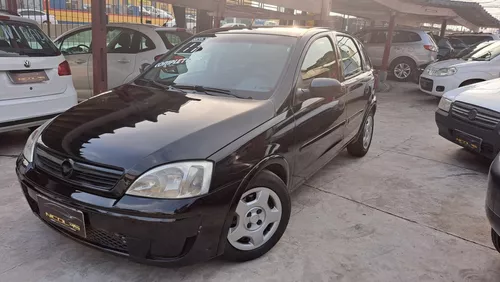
(470, 11)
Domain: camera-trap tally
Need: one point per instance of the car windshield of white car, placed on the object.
(485, 54)
(245, 65)
(24, 39)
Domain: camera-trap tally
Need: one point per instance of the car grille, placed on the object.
(484, 118)
(83, 175)
(426, 84)
(107, 240)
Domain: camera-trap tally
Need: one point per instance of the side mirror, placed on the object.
(325, 88)
(144, 67)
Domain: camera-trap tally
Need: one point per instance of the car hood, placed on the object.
(135, 124)
(485, 94)
(457, 63)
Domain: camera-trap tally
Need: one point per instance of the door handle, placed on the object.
(124, 61)
(80, 61)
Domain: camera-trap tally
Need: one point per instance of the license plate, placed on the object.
(28, 77)
(468, 141)
(67, 218)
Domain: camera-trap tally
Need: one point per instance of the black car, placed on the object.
(493, 202)
(197, 157)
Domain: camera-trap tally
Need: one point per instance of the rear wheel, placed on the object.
(260, 219)
(403, 69)
(360, 147)
(495, 239)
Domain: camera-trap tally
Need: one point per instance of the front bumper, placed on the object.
(447, 125)
(151, 231)
(438, 85)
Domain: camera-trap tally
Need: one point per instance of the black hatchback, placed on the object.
(197, 157)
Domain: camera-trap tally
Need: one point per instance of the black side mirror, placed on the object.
(327, 88)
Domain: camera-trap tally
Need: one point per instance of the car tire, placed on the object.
(254, 215)
(495, 239)
(403, 69)
(362, 144)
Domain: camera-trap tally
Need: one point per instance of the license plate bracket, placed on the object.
(468, 141)
(62, 216)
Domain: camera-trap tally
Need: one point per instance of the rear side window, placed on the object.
(405, 37)
(171, 39)
(24, 39)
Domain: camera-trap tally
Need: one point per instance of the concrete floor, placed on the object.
(411, 210)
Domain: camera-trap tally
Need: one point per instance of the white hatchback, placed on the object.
(35, 79)
(480, 65)
(130, 48)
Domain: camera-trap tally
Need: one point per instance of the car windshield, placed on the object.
(24, 39)
(246, 66)
(484, 54)
(473, 48)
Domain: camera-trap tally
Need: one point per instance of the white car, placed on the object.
(478, 66)
(130, 48)
(233, 25)
(470, 117)
(37, 15)
(35, 78)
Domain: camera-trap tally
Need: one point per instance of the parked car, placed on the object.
(458, 44)
(226, 25)
(470, 116)
(34, 76)
(37, 15)
(197, 157)
(492, 199)
(473, 38)
(130, 47)
(444, 48)
(190, 24)
(410, 49)
(484, 64)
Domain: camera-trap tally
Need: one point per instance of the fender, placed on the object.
(267, 161)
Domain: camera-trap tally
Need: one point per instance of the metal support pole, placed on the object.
(444, 24)
(11, 6)
(141, 10)
(219, 14)
(99, 51)
(48, 16)
(180, 16)
(387, 49)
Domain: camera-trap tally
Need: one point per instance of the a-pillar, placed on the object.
(387, 49)
(99, 51)
(443, 28)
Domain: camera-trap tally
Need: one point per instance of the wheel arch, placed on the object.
(276, 164)
(471, 81)
(391, 64)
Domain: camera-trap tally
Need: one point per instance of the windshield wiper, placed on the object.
(206, 90)
(158, 85)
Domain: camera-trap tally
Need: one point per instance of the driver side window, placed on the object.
(76, 43)
(319, 62)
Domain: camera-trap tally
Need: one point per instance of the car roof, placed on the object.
(291, 31)
(15, 17)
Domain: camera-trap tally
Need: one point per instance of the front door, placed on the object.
(358, 83)
(319, 121)
(76, 48)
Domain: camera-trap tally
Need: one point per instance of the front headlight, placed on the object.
(445, 104)
(30, 144)
(174, 181)
(443, 71)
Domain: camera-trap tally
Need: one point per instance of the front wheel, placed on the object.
(260, 219)
(360, 147)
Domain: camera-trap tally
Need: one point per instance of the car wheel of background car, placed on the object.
(260, 219)
(360, 147)
(470, 82)
(495, 238)
(403, 69)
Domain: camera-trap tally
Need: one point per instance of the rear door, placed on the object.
(359, 83)
(28, 62)
(76, 48)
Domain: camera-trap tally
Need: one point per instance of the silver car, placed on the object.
(410, 49)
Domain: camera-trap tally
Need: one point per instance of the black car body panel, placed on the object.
(493, 196)
(135, 128)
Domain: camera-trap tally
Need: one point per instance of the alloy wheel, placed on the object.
(257, 218)
(402, 71)
(368, 130)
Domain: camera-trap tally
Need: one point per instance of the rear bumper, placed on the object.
(27, 112)
(151, 231)
(447, 125)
